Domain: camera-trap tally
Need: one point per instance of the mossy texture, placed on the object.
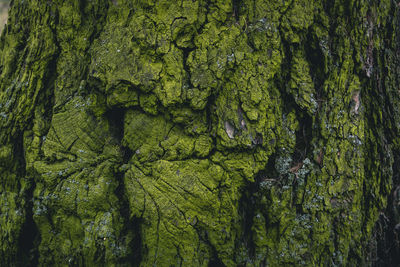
(196, 133)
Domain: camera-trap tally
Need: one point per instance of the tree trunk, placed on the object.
(200, 133)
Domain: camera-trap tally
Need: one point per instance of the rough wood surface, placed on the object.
(199, 133)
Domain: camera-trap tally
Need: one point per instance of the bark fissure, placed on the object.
(203, 134)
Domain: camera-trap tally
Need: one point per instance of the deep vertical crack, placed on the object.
(131, 229)
(27, 254)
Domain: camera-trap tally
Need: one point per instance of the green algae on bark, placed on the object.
(177, 133)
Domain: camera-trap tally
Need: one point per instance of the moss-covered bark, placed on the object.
(198, 133)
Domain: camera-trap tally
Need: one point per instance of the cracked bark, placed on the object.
(200, 133)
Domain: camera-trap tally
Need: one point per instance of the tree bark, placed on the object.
(200, 133)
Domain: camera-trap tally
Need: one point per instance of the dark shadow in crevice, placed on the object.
(249, 205)
(247, 211)
(316, 60)
(215, 260)
(28, 240)
(386, 234)
(115, 119)
(303, 138)
(130, 234)
(236, 9)
(203, 237)
(131, 230)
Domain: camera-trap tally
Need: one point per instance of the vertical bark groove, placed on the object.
(200, 133)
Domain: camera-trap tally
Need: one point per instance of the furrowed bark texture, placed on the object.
(199, 133)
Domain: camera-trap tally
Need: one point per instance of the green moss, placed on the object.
(194, 133)
(301, 85)
(298, 18)
(122, 95)
(183, 196)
